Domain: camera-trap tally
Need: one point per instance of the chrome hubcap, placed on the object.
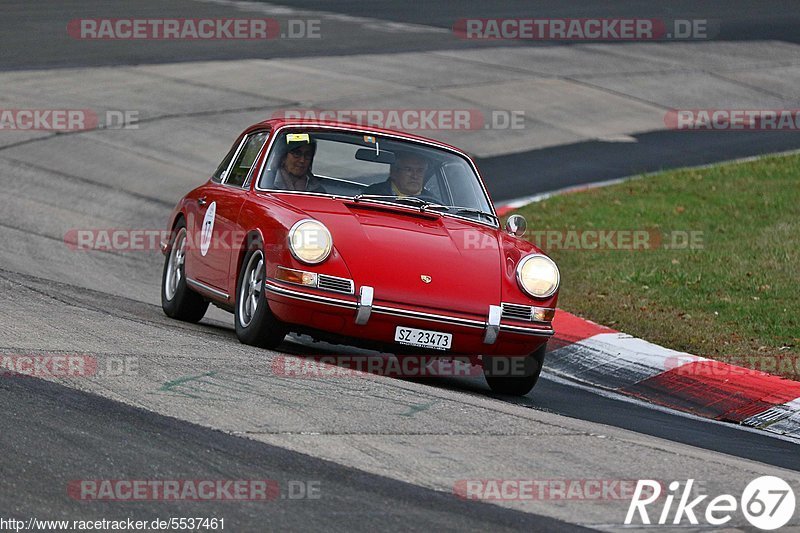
(250, 291)
(175, 268)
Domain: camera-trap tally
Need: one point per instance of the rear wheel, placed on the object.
(255, 323)
(513, 375)
(178, 300)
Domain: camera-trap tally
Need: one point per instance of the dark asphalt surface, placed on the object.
(519, 175)
(585, 404)
(572, 401)
(737, 20)
(54, 434)
(51, 434)
(96, 438)
(34, 35)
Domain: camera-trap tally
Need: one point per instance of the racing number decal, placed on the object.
(208, 228)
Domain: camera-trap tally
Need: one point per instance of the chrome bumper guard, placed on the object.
(364, 305)
(493, 324)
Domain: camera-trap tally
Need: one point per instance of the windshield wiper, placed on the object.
(423, 205)
(458, 210)
(415, 201)
(411, 200)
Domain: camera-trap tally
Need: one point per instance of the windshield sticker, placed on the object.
(369, 139)
(297, 137)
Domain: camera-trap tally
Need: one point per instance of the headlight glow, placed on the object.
(538, 276)
(310, 241)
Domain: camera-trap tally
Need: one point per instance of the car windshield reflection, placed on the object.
(375, 169)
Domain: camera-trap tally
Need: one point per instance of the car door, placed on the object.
(196, 209)
(218, 211)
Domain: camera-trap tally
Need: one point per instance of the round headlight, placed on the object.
(310, 241)
(538, 276)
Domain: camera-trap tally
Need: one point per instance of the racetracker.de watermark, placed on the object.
(410, 119)
(545, 489)
(124, 239)
(150, 240)
(67, 366)
(193, 29)
(743, 365)
(598, 239)
(585, 29)
(733, 119)
(355, 366)
(155, 240)
(195, 490)
(66, 120)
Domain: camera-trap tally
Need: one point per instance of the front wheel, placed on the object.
(178, 300)
(514, 375)
(255, 323)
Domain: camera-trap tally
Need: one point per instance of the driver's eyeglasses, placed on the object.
(413, 170)
(302, 154)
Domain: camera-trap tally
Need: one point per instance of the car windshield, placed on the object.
(373, 168)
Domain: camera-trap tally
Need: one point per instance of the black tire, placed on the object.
(258, 327)
(178, 300)
(515, 376)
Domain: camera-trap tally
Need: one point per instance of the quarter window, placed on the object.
(246, 158)
(219, 174)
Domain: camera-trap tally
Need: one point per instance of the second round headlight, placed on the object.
(310, 241)
(538, 276)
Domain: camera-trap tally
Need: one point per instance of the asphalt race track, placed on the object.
(191, 402)
(352, 499)
(354, 28)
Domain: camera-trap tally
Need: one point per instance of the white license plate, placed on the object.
(423, 338)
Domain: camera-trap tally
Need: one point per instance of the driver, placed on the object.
(406, 176)
(294, 172)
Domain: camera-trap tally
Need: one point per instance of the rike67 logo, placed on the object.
(767, 502)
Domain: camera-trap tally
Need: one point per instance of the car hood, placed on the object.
(411, 258)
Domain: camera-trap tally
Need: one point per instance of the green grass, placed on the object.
(738, 296)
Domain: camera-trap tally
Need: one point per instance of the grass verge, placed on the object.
(720, 276)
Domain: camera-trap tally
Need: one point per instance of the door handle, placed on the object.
(201, 201)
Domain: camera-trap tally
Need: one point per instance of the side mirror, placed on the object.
(516, 225)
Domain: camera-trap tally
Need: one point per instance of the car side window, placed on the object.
(219, 174)
(246, 158)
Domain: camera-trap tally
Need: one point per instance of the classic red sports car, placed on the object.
(361, 236)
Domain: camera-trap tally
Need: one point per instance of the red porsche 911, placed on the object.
(365, 237)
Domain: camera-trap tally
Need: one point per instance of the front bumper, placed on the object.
(348, 314)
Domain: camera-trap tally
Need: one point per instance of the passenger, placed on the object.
(406, 176)
(294, 172)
